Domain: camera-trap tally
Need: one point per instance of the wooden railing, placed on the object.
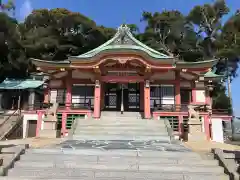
(39, 106)
(184, 108)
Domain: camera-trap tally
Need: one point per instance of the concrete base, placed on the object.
(48, 133)
(49, 125)
(195, 131)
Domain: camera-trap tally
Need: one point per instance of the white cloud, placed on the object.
(25, 9)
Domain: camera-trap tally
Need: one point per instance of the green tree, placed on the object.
(169, 32)
(12, 57)
(217, 40)
(58, 33)
(198, 36)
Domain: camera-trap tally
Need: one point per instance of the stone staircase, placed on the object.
(116, 147)
(116, 126)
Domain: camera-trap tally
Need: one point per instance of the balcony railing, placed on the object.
(184, 108)
(39, 106)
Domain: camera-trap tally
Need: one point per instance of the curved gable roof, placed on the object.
(123, 40)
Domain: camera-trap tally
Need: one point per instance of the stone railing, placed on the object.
(16, 150)
(229, 160)
(72, 130)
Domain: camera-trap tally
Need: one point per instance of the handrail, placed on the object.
(41, 105)
(10, 125)
(8, 118)
(168, 128)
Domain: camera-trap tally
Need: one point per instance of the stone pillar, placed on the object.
(177, 91)
(97, 99)
(31, 99)
(68, 101)
(147, 110)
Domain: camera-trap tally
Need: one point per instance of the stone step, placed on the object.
(28, 171)
(113, 175)
(127, 114)
(113, 126)
(119, 122)
(122, 126)
(83, 158)
(103, 116)
(123, 118)
(115, 153)
(160, 177)
(112, 162)
(121, 137)
(106, 158)
(119, 167)
(119, 132)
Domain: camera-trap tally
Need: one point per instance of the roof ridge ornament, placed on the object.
(123, 33)
(123, 28)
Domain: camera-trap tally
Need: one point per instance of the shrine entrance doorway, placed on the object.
(122, 97)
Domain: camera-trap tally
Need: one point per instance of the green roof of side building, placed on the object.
(211, 74)
(20, 84)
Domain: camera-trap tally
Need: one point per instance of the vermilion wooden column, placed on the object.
(68, 83)
(102, 97)
(97, 100)
(39, 122)
(207, 126)
(177, 91)
(147, 111)
(141, 96)
(64, 122)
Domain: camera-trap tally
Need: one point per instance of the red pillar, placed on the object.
(177, 91)
(141, 96)
(68, 101)
(147, 111)
(97, 100)
(39, 122)
(64, 121)
(207, 126)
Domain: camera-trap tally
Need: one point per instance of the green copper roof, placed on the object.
(124, 40)
(211, 74)
(20, 84)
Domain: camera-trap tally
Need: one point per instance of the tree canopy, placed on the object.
(58, 33)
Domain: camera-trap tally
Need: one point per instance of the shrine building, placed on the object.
(124, 74)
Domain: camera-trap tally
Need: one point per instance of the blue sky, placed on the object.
(112, 13)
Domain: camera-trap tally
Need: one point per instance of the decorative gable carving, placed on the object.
(123, 37)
